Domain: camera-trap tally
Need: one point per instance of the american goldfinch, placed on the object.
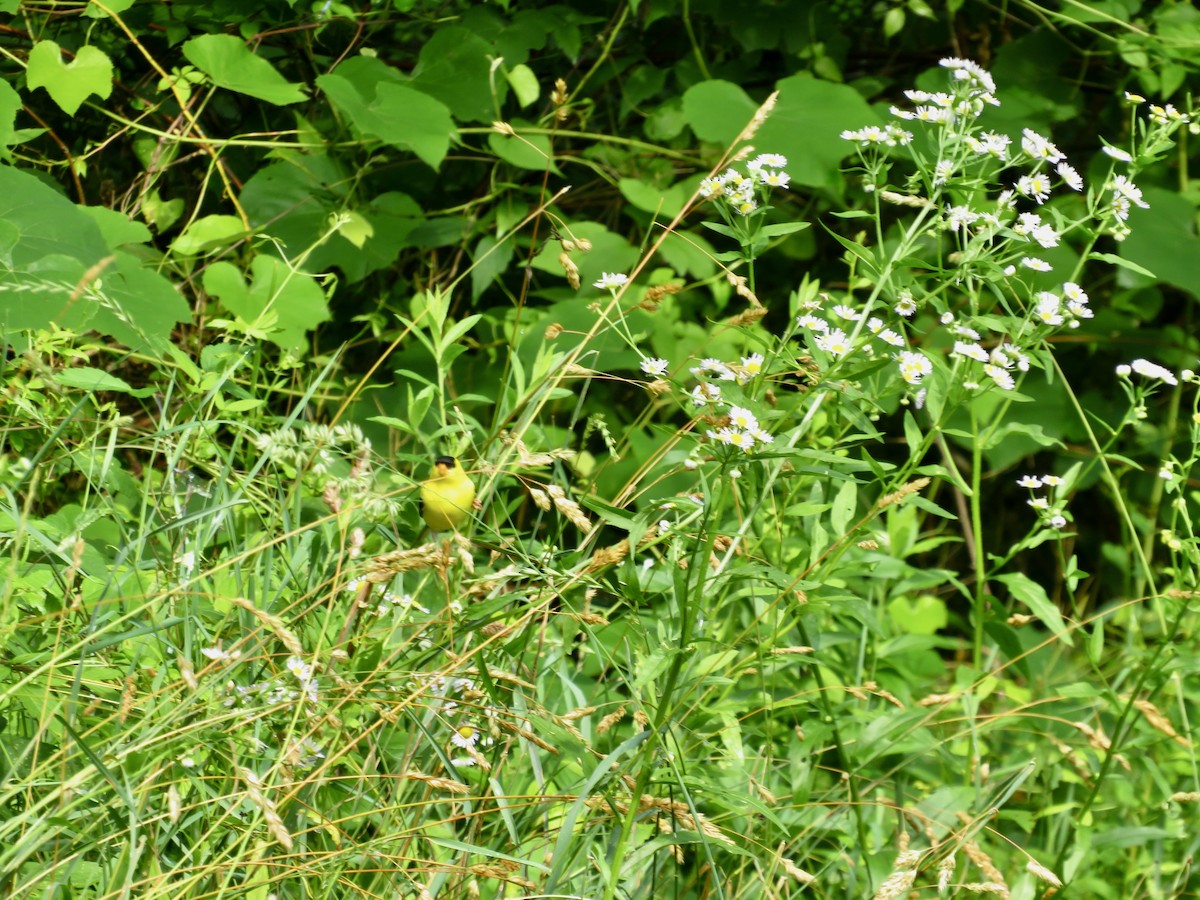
(447, 495)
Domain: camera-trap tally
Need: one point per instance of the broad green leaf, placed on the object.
(69, 84)
(61, 269)
(610, 253)
(160, 213)
(640, 84)
(37, 221)
(231, 65)
(140, 308)
(355, 228)
(292, 298)
(209, 233)
(717, 111)
(491, 260)
(110, 8)
(33, 296)
(395, 114)
(524, 84)
(689, 254)
(47, 244)
(455, 68)
(1163, 239)
(923, 614)
(293, 200)
(806, 126)
(532, 151)
(663, 202)
(666, 122)
(116, 227)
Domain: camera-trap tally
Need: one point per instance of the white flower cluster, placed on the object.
(1147, 369)
(888, 136)
(955, 113)
(744, 192)
(1069, 308)
(991, 239)
(1049, 510)
(276, 691)
(829, 334)
(739, 427)
(998, 363)
(742, 432)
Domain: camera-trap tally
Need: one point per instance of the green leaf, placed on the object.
(843, 508)
(10, 102)
(662, 202)
(1113, 259)
(1033, 595)
(666, 121)
(69, 84)
(912, 431)
(524, 84)
(60, 267)
(806, 126)
(46, 246)
(111, 8)
(924, 614)
(689, 254)
(356, 229)
(116, 227)
(140, 307)
(782, 228)
(209, 233)
(293, 200)
(160, 213)
(231, 65)
(291, 298)
(455, 69)
(491, 260)
(722, 229)
(89, 379)
(395, 114)
(1163, 240)
(717, 111)
(532, 151)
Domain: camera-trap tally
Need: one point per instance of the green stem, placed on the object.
(979, 561)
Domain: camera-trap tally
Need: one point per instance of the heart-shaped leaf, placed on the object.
(69, 84)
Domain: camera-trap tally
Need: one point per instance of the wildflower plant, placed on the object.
(1005, 227)
(741, 195)
(981, 199)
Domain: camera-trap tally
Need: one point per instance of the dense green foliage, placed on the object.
(750, 322)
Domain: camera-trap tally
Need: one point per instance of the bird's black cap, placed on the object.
(447, 461)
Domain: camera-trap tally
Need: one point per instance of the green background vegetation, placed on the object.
(259, 262)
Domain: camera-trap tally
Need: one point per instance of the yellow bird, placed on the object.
(447, 496)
